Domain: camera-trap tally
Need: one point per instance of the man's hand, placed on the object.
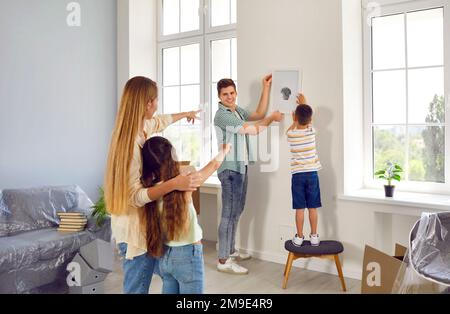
(301, 99)
(192, 116)
(267, 81)
(277, 116)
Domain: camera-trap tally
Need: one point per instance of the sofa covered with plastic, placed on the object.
(33, 254)
(426, 267)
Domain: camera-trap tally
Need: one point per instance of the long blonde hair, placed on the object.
(138, 92)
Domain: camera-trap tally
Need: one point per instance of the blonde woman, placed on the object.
(125, 195)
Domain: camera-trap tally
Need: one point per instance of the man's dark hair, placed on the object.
(224, 84)
(304, 114)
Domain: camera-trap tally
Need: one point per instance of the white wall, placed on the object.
(308, 34)
(57, 93)
(137, 38)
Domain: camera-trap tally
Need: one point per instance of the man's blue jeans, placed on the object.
(137, 272)
(182, 270)
(234, 192)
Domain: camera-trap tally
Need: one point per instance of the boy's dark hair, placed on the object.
(224, 84)
(304, 114)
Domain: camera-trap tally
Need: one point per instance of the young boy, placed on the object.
(304, 166)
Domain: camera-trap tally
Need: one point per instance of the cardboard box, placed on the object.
(380, 270)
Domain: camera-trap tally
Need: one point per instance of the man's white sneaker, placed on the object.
(237, 256)
(298, 241)
(230, 267)
(315, 240)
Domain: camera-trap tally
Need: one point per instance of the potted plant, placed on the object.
(391, 172)
(99, 208)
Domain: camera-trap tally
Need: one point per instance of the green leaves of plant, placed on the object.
(99, 208)
(392, 171)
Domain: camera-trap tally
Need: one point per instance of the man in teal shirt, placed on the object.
(232, 127)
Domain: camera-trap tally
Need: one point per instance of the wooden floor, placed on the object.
(264, 277)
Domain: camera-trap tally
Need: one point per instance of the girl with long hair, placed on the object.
(173, 231)
(125, 195)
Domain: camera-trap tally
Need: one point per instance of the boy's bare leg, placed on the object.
(313, 219)
(299, 220)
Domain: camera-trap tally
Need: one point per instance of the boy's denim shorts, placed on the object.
(306, 191)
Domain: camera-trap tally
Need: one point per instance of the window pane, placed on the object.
(190, 100)
(427, 154)
(388, 42)
(389, 97)
(190, 20)
(171, 17)
(221, 60)
(187, 142)
(214, 107)
(171, 100)
(171, 66)
(233, 12)
(426, 96)
(389, 145)
(234, 72)
(190, 64)
(220, 12)
(426, 38)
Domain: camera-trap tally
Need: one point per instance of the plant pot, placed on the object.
(389, 190)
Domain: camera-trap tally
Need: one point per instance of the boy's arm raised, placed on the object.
(301, 99)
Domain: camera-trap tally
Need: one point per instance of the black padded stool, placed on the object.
(327, 250)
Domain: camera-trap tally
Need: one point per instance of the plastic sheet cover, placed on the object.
(426, 267)
(32, 252)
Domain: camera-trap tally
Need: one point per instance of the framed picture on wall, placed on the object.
(286, 85)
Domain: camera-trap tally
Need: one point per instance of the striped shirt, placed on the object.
(304, 157)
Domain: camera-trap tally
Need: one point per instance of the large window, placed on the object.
(197, 48)
(406, 86)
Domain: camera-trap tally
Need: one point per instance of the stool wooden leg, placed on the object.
(288, 269)
(287, 263)
(339, 269)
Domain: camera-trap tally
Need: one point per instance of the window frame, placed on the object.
(392, 7)
(181, 35)
(204, 37)
(209, 127)
(208, 21)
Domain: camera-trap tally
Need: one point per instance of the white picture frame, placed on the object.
(286, 85)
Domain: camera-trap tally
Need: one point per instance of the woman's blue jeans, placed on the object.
(137, 272)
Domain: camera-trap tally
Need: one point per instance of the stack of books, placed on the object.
(72, 222)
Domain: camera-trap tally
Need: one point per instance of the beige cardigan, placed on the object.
(127, 228)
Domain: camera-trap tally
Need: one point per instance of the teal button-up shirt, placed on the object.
(227, 126)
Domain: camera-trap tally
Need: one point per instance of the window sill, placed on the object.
(211, 186)
(415, 203)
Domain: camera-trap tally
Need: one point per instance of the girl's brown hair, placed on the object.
(172, 222)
